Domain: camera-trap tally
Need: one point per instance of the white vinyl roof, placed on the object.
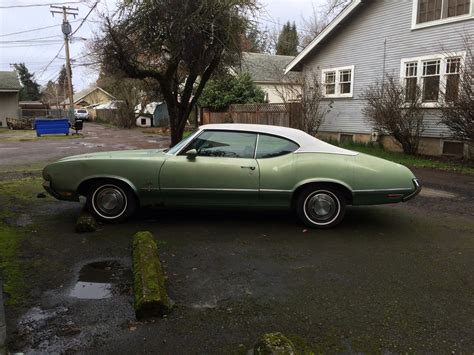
(307, 143)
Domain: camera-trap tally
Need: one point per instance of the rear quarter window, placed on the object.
(272, 146)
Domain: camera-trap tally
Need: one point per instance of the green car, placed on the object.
(233, 165)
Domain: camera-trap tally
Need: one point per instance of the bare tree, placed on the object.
(178, 43)
(308, 91)
(457, 101)
(314, 105)
(334, 7)
(394, 109)
(312, 25)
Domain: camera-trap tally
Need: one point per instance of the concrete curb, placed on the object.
(151, 298)
(3, 325)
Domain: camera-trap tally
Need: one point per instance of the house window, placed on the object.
(430, 80)
(453, 66)
(338, 82)
(438, 76)
(411, 80)
(441, 10)
(453, 148)
(330, 82)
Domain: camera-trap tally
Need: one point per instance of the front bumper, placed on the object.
(60, 195)
(411, 195)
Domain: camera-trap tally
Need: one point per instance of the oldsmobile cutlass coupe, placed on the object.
(233, 165)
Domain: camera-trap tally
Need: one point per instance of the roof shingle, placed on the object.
(9, 81)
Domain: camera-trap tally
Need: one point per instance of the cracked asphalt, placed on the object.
(396, 278)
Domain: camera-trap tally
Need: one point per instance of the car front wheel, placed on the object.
(321, 207)
(111, 201)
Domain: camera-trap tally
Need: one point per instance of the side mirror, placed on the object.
(191, 154)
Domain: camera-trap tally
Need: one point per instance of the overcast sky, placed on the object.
(39, 47)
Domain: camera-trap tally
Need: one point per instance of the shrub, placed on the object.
(396, 110)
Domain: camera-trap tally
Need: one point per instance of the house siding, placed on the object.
(360, 42)
(8, 106)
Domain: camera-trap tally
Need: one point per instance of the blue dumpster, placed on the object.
(56, 126)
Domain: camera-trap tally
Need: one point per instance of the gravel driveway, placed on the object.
(396, 278)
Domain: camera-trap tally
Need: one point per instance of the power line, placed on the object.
(41, 71)
(38, 39)
(33, 29)
(85, 18)
(36, 5)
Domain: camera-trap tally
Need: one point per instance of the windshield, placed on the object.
(181, 144)
(82, 111)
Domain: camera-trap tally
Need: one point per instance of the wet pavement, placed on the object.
(101, 279)
(397, 278)
(94, 138)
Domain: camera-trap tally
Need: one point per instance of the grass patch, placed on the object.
(15, 193)
(21, 190)
(10, 267)
(27, 136)
(416, 161)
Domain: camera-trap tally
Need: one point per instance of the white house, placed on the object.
(420, 41)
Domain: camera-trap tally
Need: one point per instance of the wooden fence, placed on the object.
(287, 115)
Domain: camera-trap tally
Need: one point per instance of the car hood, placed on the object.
(120, 154)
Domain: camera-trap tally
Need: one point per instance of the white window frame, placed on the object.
(415, 25)
(442, 71)
(337, 93)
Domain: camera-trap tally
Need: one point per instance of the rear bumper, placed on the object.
(411, 195)
(60, 195)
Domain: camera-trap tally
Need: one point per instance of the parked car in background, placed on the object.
(235, 165)
(81, 114)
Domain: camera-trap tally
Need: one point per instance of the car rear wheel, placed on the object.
(111, 201)
(321, 206)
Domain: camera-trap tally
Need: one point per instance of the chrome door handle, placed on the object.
(248, 167)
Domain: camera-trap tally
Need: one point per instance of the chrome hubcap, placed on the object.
(110, 201)
(321, 207)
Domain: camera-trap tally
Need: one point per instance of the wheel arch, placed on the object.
(86, 183)
(339, 185)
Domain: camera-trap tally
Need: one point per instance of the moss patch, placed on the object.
(14, 282)
(151, 298)
(85, 223)
(21, 190)
(274, 343)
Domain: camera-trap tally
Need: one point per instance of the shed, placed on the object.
(9, 96)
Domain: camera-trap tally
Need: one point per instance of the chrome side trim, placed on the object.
(414, 193)
(323, 152)
(206, 189)
(382, 190)
(256, 146)
(274, 190)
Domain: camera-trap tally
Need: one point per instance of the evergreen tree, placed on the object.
(31, 89)
(287, 40)
(62, 83)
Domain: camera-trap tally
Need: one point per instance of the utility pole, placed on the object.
(66, 29)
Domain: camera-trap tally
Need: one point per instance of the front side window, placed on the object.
(338, 82)
(224, 144)
(271, 146)
(434, 10)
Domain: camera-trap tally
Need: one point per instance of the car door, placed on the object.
(277, 170)
(221, 171)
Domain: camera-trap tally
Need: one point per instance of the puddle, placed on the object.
(100, 280)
